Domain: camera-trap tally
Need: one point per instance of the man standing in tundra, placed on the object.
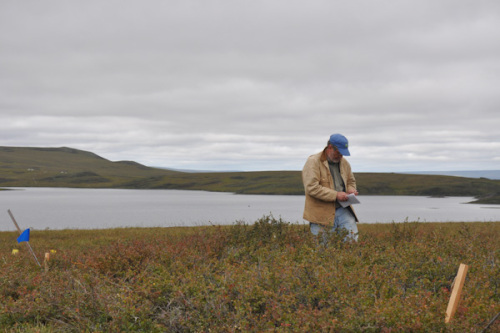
(328, 179)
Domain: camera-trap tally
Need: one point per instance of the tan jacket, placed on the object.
(319, 188)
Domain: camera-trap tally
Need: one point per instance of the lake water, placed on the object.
(63, 208)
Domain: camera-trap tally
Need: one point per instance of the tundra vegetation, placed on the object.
(270, 275)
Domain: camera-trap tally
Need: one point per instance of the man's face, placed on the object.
(333, 154)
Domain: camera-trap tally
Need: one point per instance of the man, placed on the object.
(328, 179)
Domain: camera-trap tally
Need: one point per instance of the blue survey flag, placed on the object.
(24, 237)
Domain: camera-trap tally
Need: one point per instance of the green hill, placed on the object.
(67, 167)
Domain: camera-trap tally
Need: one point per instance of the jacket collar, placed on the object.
(323, 158)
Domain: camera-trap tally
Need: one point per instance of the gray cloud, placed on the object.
(255, 85)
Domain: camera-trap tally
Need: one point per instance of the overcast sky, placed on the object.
(255, 85)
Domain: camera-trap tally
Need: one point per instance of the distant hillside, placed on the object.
(490, 174)
(68, 167)
(485, 190)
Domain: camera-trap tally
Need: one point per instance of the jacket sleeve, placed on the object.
(314, 185)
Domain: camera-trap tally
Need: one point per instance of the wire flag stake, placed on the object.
(24, 237)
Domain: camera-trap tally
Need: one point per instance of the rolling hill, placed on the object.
(68, 167)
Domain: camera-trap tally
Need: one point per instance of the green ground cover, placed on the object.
(267, 276)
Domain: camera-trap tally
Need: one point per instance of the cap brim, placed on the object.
(344, 151)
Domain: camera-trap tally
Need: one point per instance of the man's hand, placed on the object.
(342, 196)
(351, 191)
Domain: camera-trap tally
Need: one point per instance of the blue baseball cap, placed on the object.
(340, 141)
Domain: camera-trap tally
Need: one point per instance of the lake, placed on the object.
(64, 208)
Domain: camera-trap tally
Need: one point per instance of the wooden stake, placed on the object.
(46, 261)
(456, 292)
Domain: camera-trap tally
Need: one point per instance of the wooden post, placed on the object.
(46, 261)
(456, 292)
